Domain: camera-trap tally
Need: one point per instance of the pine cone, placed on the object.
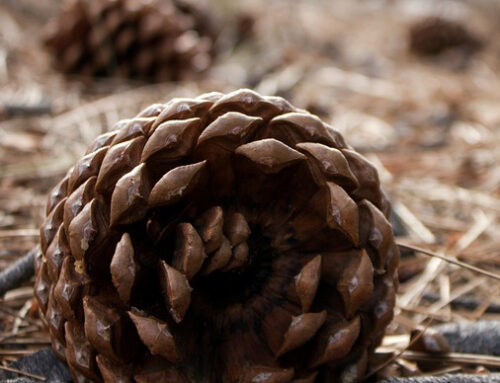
(146, 40)
(225, 238)
(435, 35)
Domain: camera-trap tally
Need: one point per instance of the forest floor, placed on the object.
(431, 126)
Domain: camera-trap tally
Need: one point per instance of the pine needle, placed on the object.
(400, 353)
(454, 358)
(451, 260)
(19, 372)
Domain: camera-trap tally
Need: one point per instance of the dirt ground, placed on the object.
(431, 126)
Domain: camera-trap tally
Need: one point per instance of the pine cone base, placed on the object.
(224, 238)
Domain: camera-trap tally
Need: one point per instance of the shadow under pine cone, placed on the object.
(481, 337)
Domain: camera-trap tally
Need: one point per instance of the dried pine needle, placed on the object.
(451, 260)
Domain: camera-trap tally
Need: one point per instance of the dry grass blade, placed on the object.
(19, 233)
(26, 331)
(19, 372)
(454, 358)
(451, 260)
(16, 315)
(398, 355)
(443, 371)
(413, 223)
(461, 290)
(17, 353)
(26, 341)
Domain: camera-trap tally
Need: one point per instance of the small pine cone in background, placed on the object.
(434, 35)
(148, 40)
(224, 238)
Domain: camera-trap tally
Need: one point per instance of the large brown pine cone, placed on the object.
(152, 40)
(434, 35)
(225, 238)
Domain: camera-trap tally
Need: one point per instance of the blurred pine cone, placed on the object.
(434, 35)
(150, 40)
(224, 238)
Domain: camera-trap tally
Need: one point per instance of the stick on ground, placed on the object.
(17, 273)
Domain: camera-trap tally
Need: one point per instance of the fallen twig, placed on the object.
(19, 272)
(465, 303)
(22, 110)
(448, 378)
(479, 337)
